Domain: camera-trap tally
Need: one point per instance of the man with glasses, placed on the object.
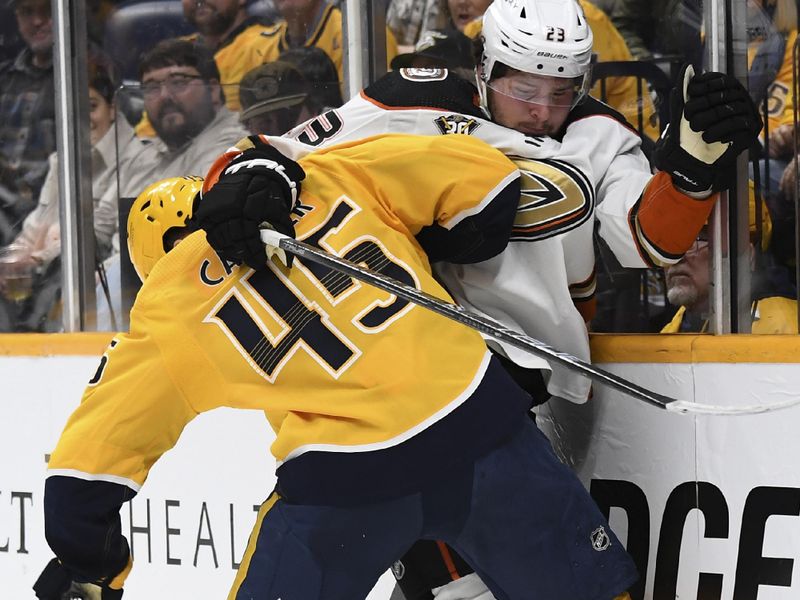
(773, 309)
(27, 116)
(186, 106)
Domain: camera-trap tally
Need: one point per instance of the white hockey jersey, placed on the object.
(593, 174)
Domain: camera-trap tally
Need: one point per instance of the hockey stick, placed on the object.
(492, 328)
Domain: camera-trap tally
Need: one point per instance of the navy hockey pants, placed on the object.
(517, 515)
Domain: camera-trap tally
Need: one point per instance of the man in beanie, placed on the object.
(275, 97)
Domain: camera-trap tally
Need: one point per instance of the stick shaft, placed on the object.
(478, 322)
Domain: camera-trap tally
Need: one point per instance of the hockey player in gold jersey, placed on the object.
(371, 398)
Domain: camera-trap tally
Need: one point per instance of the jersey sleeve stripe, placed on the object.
(383, 106)
(668, 221)
(582, 290)
(587, 307)
(483, 204)
(75, 474)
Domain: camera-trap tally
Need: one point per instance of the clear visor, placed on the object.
(540, 89)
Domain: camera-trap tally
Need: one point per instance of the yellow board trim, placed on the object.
(606, 348)
(690, 348)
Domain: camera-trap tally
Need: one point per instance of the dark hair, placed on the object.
(179, 52)
(101, 75)
(318, 69)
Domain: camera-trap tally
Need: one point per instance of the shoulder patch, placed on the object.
(458, 124)
(425, 88)
(419, 74)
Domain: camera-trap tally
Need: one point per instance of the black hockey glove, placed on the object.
(712, 121)
(257, 190)
(55, 583)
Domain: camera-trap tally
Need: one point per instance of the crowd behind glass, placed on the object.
(172, 84)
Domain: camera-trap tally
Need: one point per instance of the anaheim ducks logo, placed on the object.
(422, 74)
(448, 124)
(555, 198)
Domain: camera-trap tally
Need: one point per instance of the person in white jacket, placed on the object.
(29, 266)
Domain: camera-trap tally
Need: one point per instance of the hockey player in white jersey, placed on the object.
(582, 162)
(583, 168)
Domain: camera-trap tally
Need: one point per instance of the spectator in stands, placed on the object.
(225, 28)
(658, 28)
(409, 19)
(319, 71)
(30, 268)
(27, 116)
(235, 38)
(313, 23)
(10, 41)
(772, 31)
(774, 308)
(185, 103)
(463, 13)
(275, 98)
(444, 48)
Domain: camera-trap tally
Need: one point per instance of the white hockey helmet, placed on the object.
(543, 37)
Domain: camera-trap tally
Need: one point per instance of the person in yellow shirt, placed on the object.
(774, 304)
(772, 32)
(688, 285)
(235, 38)
(225, 28)
(313, 23)
(361, 448)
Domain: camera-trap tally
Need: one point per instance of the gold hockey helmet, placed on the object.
(157, 213)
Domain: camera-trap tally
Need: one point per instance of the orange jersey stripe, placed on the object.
(448, 560)
(668, 219)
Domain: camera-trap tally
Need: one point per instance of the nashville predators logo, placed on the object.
(448, 124)
(555, 198)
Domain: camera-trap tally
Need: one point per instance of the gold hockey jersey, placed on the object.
(361, 387)
(327, 35)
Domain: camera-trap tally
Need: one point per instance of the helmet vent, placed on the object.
(150, 218)
(145, 205)
(523, 14)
